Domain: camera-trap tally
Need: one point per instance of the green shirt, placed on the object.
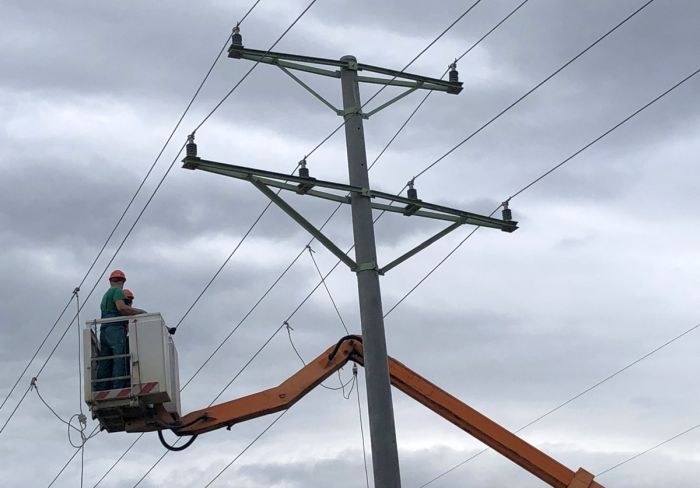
(109, 299)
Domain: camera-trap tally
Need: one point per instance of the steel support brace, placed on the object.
(393, 100)
(312, 91)
(420, 247)
(298, 218)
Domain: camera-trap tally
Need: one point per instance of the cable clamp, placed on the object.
(76, 290)
(368, 266)
(32, 383)
(308, 246)
(352, 111)
(286, 324)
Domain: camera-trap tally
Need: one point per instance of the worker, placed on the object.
(113, 341)
(129, 299)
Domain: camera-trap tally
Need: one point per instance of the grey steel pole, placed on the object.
(385, 456)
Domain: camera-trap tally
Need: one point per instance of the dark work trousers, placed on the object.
(113, 341)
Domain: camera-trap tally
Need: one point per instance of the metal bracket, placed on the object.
(368, 266)
(310, 90)
(393, 100)
(310, 228)
(420, 247)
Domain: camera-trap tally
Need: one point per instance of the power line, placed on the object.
(161, 182)
(430, 44)
(238, 325)
(547, 173)
(255, 355)
(94, 432)
(459, 58)
(531, 90)
(247, 447)
(576, 397)
(126, 209)
(223, 265)
(650, 449)
(19, 378)
(526, 187)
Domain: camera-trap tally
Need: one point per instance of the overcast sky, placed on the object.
(603, 269)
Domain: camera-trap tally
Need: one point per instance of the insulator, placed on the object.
(454, 74)
(303, 170)
(237, 38)
(506, 213)
(191, 147)
(412, 192)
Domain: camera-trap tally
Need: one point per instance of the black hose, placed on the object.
(175, 448)
(340, 342)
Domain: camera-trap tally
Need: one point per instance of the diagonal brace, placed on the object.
(395, 99)
(311, 90)
(420, 247)
(298, 218)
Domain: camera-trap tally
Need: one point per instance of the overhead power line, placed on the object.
(547, 173)
(153, 194)
(247, 447)
(687, 431)
(531, 90)
(493, 119)
(124, 212)
(408, 65)
(294, 260)
(267, 206)
(574, 398)
(427, 95)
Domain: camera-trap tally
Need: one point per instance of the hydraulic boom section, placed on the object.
(350, 348)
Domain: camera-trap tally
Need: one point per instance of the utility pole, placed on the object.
(362, 200)
(380, 407)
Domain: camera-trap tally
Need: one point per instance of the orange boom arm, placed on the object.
(439, 401)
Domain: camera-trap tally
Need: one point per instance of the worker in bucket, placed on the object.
(113, 340)
(129, 299)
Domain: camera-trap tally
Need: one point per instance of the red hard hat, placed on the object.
(117, 273)
(128, 294)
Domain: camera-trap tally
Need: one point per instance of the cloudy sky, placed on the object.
(603, 270)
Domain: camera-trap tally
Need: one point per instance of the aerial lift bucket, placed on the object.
(152, 372)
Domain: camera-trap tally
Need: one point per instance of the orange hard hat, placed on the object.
(117, 273)
(128, 294)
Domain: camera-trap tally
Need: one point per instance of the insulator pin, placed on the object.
(191, 147)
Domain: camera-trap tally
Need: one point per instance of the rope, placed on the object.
(328, 291)
(296, 351)
(362, 429)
